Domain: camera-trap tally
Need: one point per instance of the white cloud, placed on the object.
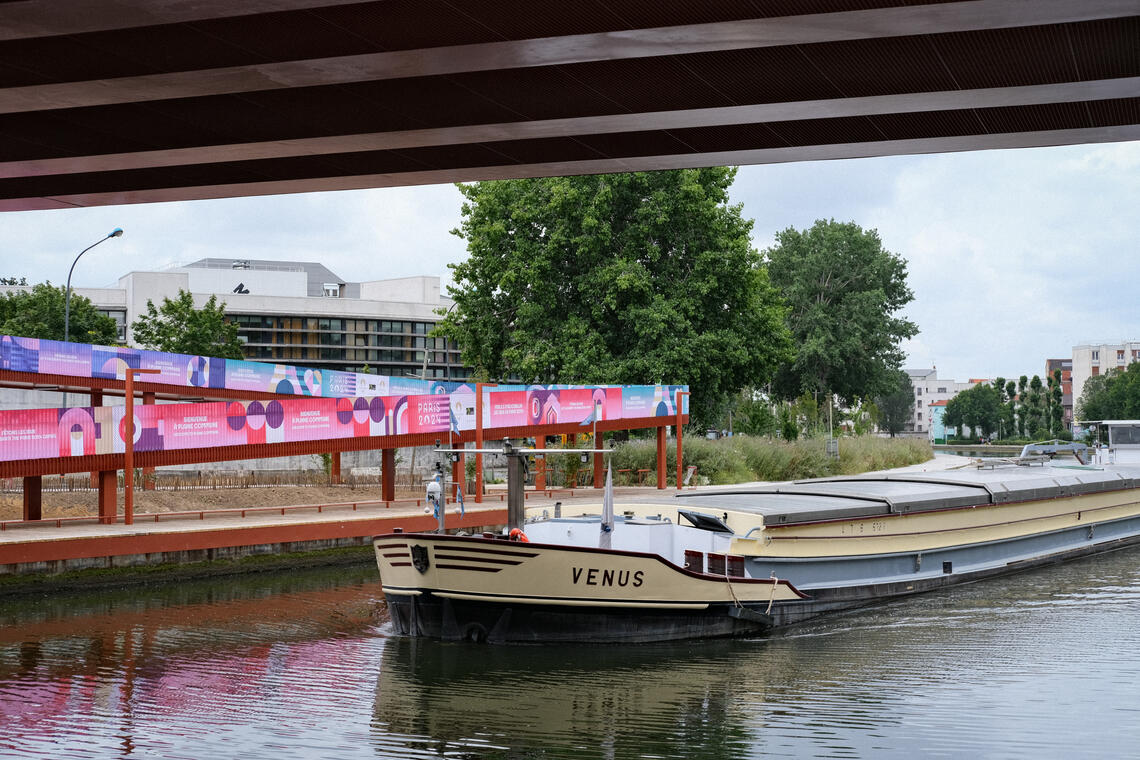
(1014, 256)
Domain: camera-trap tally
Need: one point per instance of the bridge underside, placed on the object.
(130, 101)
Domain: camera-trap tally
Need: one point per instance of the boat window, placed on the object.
(694, 561)
(736, 567)
(716, 564)
(705, 522)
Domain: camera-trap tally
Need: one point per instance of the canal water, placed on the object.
(1040, 665)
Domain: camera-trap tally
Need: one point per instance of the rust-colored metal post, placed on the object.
(388, 474)
(108, 496)
(129, 440)
(334, 468)
(661, 460)
(680, 456)
(478, 442)
(540, 464)
(33, 497)
(479, 439)
(148, 472)
(96, 400)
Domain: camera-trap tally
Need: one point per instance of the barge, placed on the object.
(744, 561)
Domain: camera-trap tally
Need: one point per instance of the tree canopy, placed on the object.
(843, 290)
(178, 327)
(1111, 396)
(620, 278)
(895, 406)
(979, 408)
(39, 312)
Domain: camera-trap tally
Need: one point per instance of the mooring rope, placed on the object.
(772, 597)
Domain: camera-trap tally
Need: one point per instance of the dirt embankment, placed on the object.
(80, 503)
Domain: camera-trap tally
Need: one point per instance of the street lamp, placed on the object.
(117, 232)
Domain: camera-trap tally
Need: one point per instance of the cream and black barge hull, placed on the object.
(756, 559)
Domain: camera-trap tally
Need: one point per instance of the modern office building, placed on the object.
(303, 313)
(1091, 359)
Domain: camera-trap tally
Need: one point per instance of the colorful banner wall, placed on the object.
(49, 433)
(82, 360)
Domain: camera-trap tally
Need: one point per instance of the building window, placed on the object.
(1120, 355)
(120, 318)
(919, 417)
(1096, 356)
(918, 391)
(1096, 370)
(940, 390)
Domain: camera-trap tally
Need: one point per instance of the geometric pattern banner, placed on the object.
(78, 431)
(54, 357)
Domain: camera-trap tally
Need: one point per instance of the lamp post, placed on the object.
(117, 232)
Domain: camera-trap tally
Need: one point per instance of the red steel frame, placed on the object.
(103, 467)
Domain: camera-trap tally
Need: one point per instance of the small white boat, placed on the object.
(731, 562)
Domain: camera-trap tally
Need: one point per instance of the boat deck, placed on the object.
(885, 494)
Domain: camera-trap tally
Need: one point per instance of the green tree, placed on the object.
(753, 414)
(954, 416)
(1112, 396)
(621, 278)
(1056, 404)
(14, 281)
(896, 405)
(982, 408)
(1095, 403)
(843, 290)
(1023, 409)
(38, 313)
(180, 328)
(1010, 411)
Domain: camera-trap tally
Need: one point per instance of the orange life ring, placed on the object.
(516, 534)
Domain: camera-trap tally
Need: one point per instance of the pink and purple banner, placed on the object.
(78, 431)
(54, 357)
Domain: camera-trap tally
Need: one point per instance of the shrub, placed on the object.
(742, 458)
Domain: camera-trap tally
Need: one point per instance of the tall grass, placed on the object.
(741, 459)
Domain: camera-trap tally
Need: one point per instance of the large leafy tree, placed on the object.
(978, 408)
(38, 313)
(843, 290)
(620, 278)
(179, 327)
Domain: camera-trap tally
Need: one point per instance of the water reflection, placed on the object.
(84, 670)
(1043, 664)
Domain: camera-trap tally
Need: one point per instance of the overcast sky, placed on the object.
(1014, 256)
